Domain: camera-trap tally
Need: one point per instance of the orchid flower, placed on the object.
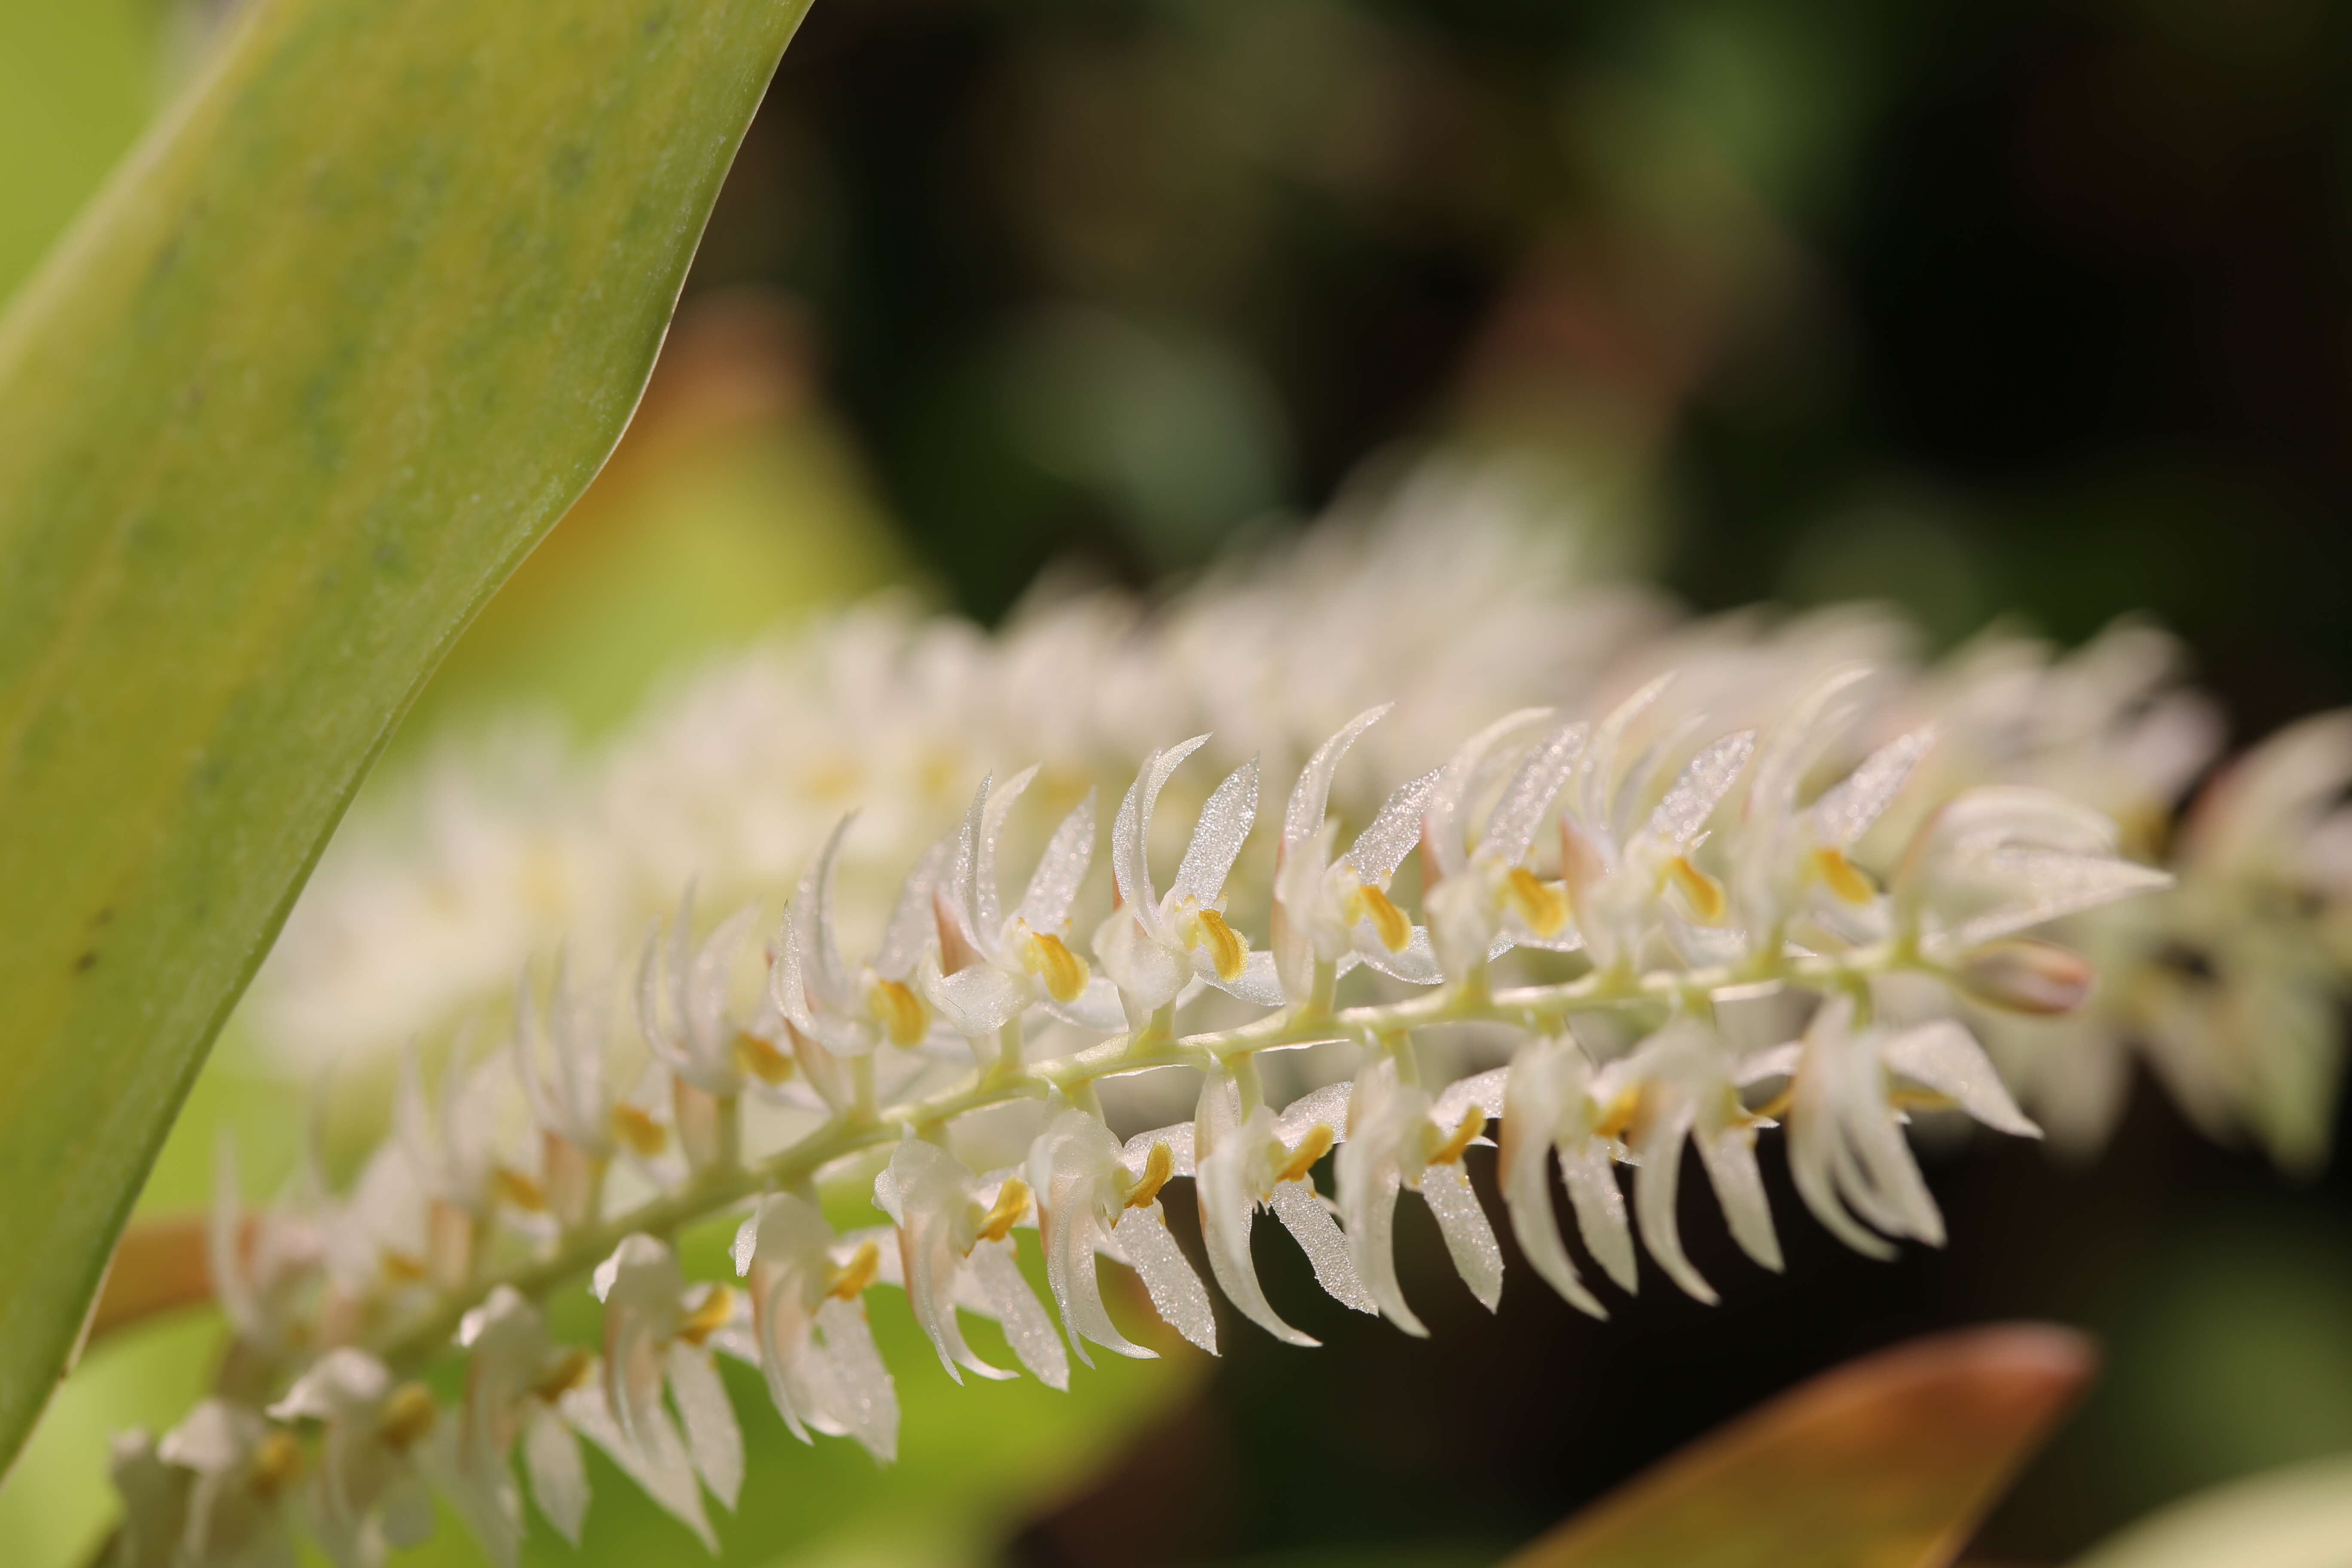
(814, 1345)
(1153, 946)
(1487, 898)
(561, 1057)
(516, 1378)
(1847, 1148)
(1397, 1137)
(1093, 1194)
(657, 1333)
(1337, 913)
(955, 1249)
(237, 1508)
(1681, 1084)
(369, 1493)
(850, 1015)
(1022, 959)
(1242, 1163)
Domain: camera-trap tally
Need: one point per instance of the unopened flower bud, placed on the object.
(2025, 975)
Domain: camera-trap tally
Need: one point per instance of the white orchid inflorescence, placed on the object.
(1654, 931)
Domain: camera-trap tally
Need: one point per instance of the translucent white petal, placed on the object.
(1598, 773)
(1703, 786)
(1068, 1230)
(979, 999)
(1655, 1186)
(1511, 828)
(1729, 1156)
(662, 1472)
(1846, 811)
(1310, 797)
(1798, 740)
(1528, 1125)
(559, 1480)
(1469, 1239)
(914, 920)
(1302, 1211)
(1450, 798)
(811, 923)
(1224, 823)
(1147, 974)
(866, 1401)
(996, 1273)
(1132, 830)
(713, 1438)
(1227, 1208)
(1179, 1138)
(2051, 884)
(1381, 847)
(1177, 1293)
(1325, 1107)
(1415, 965)
(1053, 886)
(1096, 1007)
(1943, 1056)
(1257, 983)
(1590, 1176)
(1487, 1091)
(987, 903)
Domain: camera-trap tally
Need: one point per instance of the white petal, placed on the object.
(914, 921)
(661, 1471)
(1655, 1185)
(1729, 1156)
(1599, 769)
(1449, 798)
(1468, 1237)
(1486, 1091)
(2053, 884)
(1147, 973)
(1415, 965)
(1227, 1208)
(1308, 1219)
(1257, 983)
(1132, 830)
(1177, 1293)
(1703, 784)
(1846, 811)
(713, 1438)
(1381, 847)
(1224, 823)
(979, 999)
(1069, 1240)
(1310, 798)
(1511, 828)
(1179, 1138)
(1591, 1177)
(811, 923)
(1528, 1121)
(559, 1480)
(1943, 1056)
(1096, 1007)
(997, 1275)
(867, 1401)
(1053, 886)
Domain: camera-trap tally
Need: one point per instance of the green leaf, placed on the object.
(2296, 1516)
(1885, 1462)
(337, 346)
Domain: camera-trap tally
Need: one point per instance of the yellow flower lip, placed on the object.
(1157, 1166)
(763, 1059)
(707, 1319)
(408, 1414)
(1539, 903)
(1310, 1148)
(1049, 957)
(1702, 892)
(1840, 875)
(856, 1275)
(278, 1463)
(637, 1129)
(1207, 928)
(1473, 1122)
(1012, 1203)
(1389, 923)
(901, 1012)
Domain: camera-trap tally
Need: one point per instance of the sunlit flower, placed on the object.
(851, 1014)
(516, 1378)
(238, 1506)
(955, 1249)
(656, 1335)
(1243, 1164)
(1330, 914)
(368, 1494)
(1093, 1194)
(1397, 1137)
(685, 1009)
(808, 1319)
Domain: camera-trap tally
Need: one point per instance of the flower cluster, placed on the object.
(1665, 932)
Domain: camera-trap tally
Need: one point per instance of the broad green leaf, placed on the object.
(2296, 1516)
(338, 344)
(1885, 1462)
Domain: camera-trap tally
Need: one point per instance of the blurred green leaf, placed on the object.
(344, 337)
(2299, 1517)
(75, 84)
(1885, 1462)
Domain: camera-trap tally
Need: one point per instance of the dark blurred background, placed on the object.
(2041, 312)
(2036, 311)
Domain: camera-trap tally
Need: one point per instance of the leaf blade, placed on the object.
(1885, 1462)
(324, 361)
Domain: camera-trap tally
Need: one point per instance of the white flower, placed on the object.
(1625, 881)
(1094, 1196)
(688, 1021)
(1154, 947)
(259, 1263)
(1789, 862)
(1680, 1084)
(1999, 859)
(1397, 1137)
(808, 1318)
(244, 1473)
(453, 1150)
(956, 1250)
(657, 1334)
(516, 1378)
(1242, 1163)
(1338, 912)
(1847, 1148)
(369, 1493)
(1023, 959)
(154, 1502)
(850, 1015)
(562, 1059)
(1487, 899)
(1550, 1104)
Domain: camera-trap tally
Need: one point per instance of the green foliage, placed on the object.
(345, 336)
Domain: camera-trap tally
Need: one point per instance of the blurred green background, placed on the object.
(1994, 310)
